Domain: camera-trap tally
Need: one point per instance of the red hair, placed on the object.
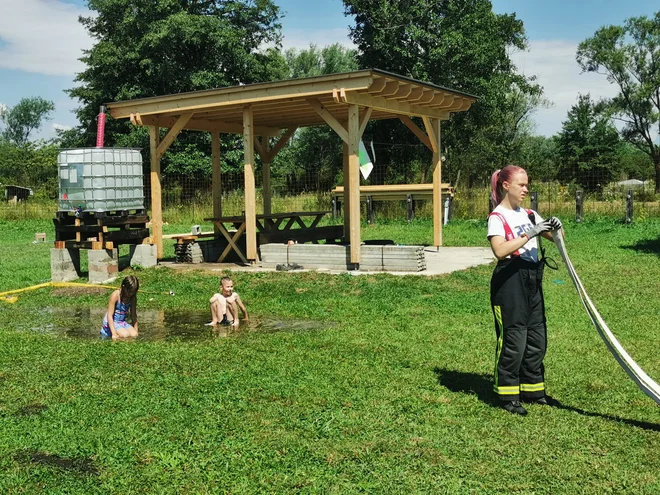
(500, 176)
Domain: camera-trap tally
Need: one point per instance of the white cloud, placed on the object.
(553, 62)
(3, 109)
(42, 36)
(302, 38)
(61, 127)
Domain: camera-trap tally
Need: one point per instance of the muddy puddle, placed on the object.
(85, 323)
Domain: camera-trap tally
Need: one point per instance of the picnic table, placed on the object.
(275, 227)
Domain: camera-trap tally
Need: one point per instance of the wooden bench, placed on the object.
(328, 233)
(181, 238)
(391, 192)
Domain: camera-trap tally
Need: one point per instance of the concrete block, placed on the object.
(144, 255)
(103, 265)
(64, 264)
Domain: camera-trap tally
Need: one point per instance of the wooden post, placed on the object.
(347, 192)
(629, 206)
(156, 204)
(265, 172)
(437, 184)
(354, 181)
(250, 194)
(217, 178)
(534, 200)
(579, 206)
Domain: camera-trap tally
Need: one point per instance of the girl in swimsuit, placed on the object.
(122, 301)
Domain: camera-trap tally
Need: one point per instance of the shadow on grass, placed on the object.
(648, 246)
(482, 387)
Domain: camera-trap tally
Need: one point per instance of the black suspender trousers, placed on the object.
(516, 297)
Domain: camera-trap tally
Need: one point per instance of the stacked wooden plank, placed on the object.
(338, 257)
(100, 230)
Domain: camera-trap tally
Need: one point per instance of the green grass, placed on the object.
(395, 398)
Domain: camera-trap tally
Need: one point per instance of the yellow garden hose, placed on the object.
(9, 298)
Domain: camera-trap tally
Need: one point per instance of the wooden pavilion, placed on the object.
(346, 102)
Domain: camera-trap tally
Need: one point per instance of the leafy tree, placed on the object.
(538, 155)
(629, 56)
(462, 45)
(30, 165)
(314, 160)
(147, 49)
(331, 59)
(24, 118)
(588, 146)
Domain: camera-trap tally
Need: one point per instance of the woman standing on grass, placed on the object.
(516, 293)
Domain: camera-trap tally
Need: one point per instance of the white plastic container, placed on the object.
(100, 179)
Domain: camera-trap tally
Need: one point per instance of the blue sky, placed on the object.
(40, 41)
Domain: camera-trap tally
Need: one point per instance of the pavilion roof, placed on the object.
(299, 102)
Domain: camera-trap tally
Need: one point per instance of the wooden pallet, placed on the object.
(91, 231)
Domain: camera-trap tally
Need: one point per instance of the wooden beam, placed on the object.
(403, 93)
(430, 132)
(196, 124)
(391, 106)
(250, 193)
(354, 180)
(437, 185)
(156, 204)
(416, 131)
(365, 121)
(426, 98)
(378, 85)
(415, 94)
(440, 100)
(173, 133)
(217, 177)
(259, 147)
(282, 142)
(347, 193)
(390, 89)
(328, 117)
(265, 175)
(239, 95)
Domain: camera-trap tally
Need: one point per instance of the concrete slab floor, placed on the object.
(439, 261)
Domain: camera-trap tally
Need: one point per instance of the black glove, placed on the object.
(539, 228)
(555, 223)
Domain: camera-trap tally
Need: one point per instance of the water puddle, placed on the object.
(82, 465)
(85, 323)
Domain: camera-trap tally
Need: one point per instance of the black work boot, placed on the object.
(546, 400)
(514, 407)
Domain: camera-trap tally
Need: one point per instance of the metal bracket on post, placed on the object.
(534, 199)
(579, 206)
(334, 208)
(629, 206)
(411, 207)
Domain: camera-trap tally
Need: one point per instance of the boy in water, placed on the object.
(225, 304)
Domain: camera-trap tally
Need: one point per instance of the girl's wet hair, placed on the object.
(129, 288)
(499, 177)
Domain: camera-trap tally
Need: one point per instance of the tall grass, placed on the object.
(469, 203)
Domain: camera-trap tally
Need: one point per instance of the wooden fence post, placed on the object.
(534, 198)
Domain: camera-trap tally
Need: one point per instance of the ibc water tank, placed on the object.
(100, 179)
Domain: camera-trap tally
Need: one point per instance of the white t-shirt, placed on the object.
(519, 223)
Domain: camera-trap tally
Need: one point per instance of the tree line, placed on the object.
(145, 50)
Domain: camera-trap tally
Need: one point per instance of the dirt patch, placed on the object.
(80, 291)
